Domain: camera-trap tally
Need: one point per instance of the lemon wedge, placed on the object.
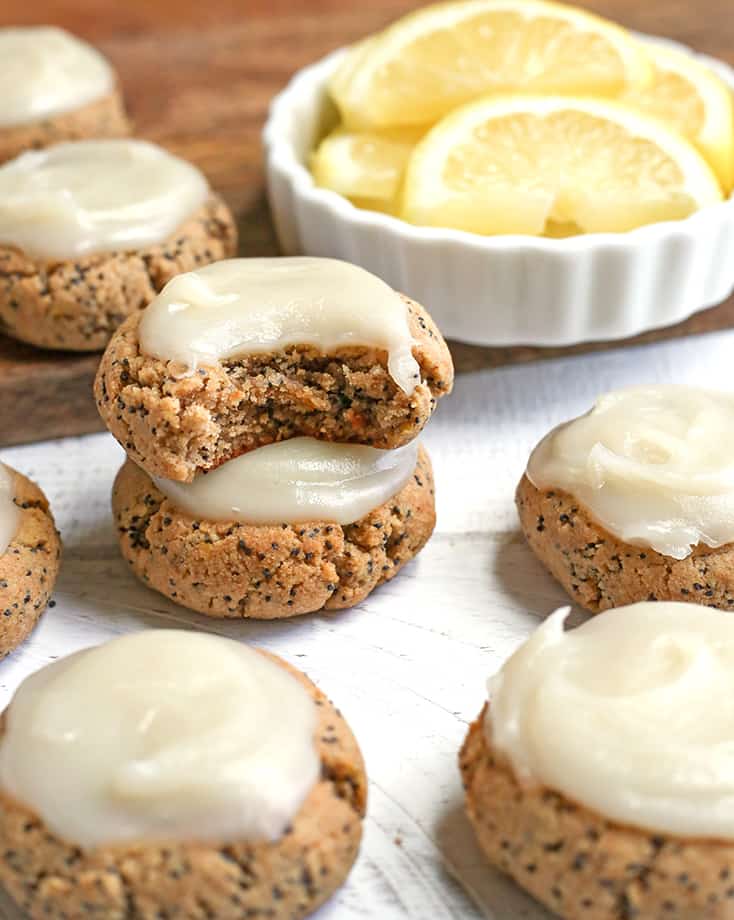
(693, 100)
(366, 167)
(442, 56)
(555, 165)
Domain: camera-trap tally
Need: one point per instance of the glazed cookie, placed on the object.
(205, 779)
(343, 520)
(30, 550)
(251, 351)
(91, 231)
(598, 777)
(54, 88)
(635, 501)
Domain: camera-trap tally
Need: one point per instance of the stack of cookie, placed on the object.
(269, 410)
(94, 224)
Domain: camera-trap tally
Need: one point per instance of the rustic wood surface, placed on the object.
(198, 78)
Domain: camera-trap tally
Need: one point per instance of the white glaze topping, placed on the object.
(46, 71)
(653, 464)
(629, 714)
(295, 481)
(161, 735)
(95, 196)
(9, 511)
(244, 306)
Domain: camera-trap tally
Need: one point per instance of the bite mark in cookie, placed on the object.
(176, 425)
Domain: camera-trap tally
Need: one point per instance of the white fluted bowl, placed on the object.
(503, 290)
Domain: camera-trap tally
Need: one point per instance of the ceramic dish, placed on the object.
(503, 290)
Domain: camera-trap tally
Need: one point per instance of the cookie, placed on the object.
(599, 571)
(177, 426)
(580, 865)
(283, 879)
(55, 87)
(103, 117)
(597, 775)
(633, 501)
(77, 304)
(29, 565)
(233, 569)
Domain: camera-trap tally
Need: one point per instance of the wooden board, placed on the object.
(198, 78)
(44, 394)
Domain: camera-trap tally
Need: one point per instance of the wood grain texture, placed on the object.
(198, 78)
(44, 394)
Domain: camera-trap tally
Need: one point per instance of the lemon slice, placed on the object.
(532, 164)
(374, 204)
(442, 56)
(691, 99)
(364, 166)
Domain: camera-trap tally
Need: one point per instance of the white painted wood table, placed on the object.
(407, 667)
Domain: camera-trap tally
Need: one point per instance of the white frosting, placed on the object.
(95, 196)
(629, 714)
(653, 464)
(161, 735)
(9, 511)
(244, 306)
(46, 71)
(295, 481)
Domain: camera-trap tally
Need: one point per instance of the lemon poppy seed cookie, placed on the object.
(287, 529)
(203, 778)
(251, 351)
(30, 551)
(54, 88)
(635, 500)
(599, 571)
(598, 778)
(91, 231)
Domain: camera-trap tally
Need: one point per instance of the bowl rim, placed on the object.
(281, 155)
